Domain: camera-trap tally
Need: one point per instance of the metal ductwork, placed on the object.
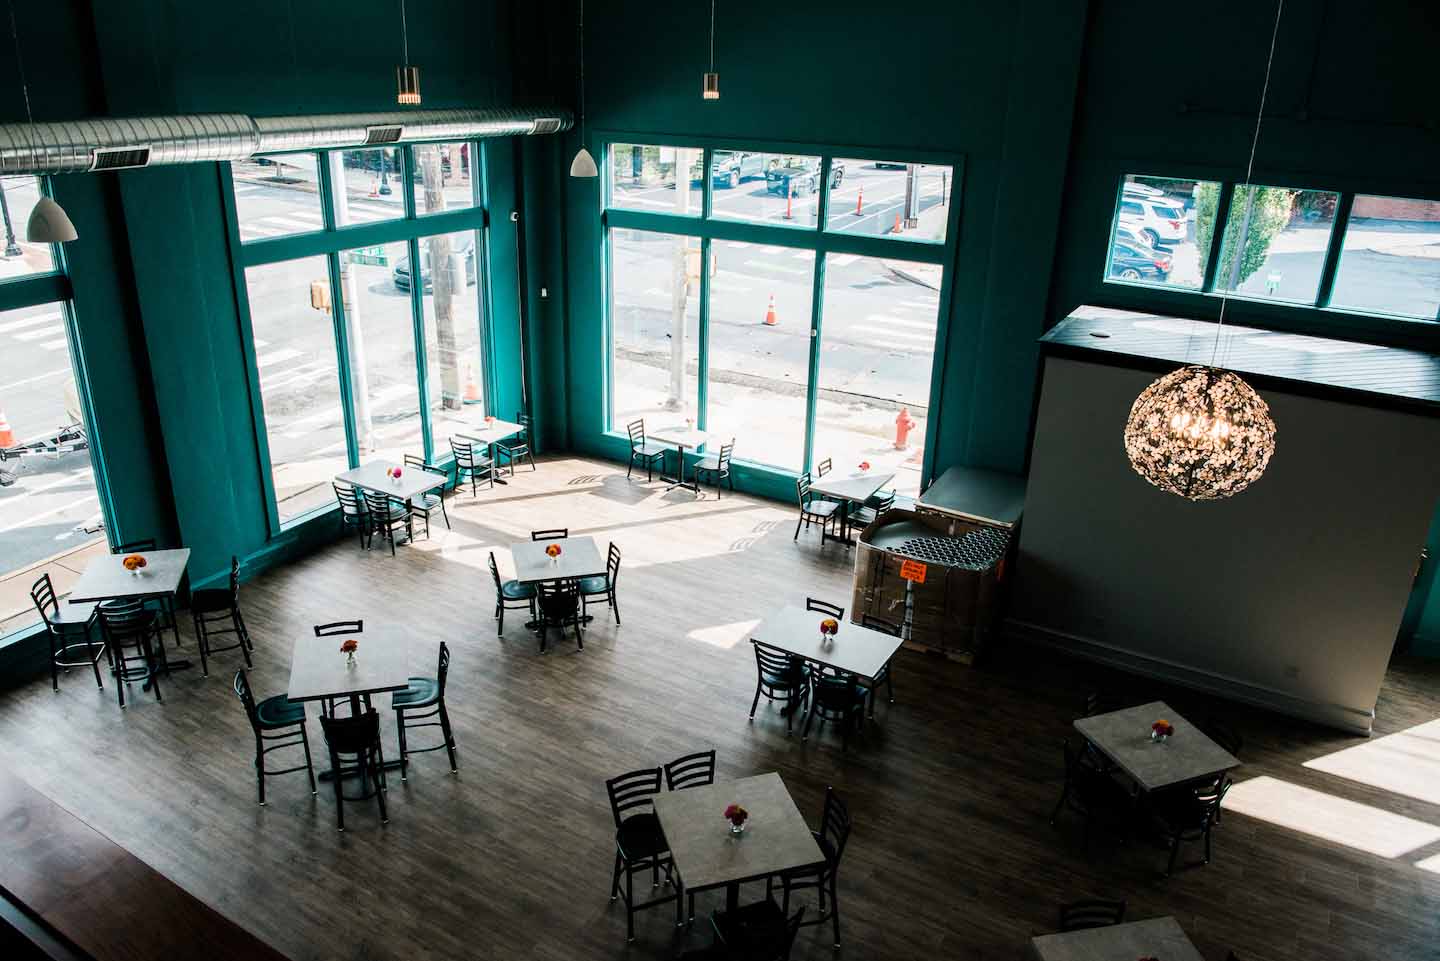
(123, 143)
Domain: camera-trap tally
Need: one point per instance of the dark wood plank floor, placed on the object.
(952, 855)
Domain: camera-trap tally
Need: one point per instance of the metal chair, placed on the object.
(427, 504)
(164, 604)
(216, 606)
(552, 534)
(558, 603)
(1092, 913)
(838, 697)
(281, 723)
(823, 468)
(603, 585)
(757, 932)
(834, 833)
(357, 737)
(354, 512)
(517, 448)
(813, 509)
(716, 467)
(883, 677)
(780, 676)
(639, 843)
(70, 629)
(388, 514)
(872, 509)
(643, 451)
(825, 607)
(341, 629)
(692, 770)
(472, 465)
(509, 594)
(128, 626)
(1191, 817)
(1090, 792)
(428, 695)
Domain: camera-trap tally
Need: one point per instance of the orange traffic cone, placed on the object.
(859, 200)
(375, 187)
(7, 436)
(770, 320)
(897, 225)
(472, 389)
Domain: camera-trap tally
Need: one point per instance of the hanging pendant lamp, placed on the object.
(407, 77)
(711, 84)
(583, 165)
(1201, 432)
(48, 223)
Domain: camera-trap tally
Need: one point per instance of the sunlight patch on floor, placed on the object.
(1330, 818)
(724, 635)
(1431, 864)
(1406, 763)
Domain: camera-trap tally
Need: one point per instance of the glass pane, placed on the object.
(299, 382)
(49, 508)
(876, 354)
(1390, 260)
(1162, 231)
(759, 356)
(19, 257)
(380, 332)
(442, 177)
(1284, 234)
(778, 189)
(642, 177)
(277, 195)
(369, 185)
(886, 198)
(453, 358)
(655, 311)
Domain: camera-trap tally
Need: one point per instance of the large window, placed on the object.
(655, 332)
(453, 355)
(656, 178)
(1160, 228)
(1274, 242)
(781, 190)
(380, 332)
(277, 195)
(882, 198)
(368, 185)
(442, 177)
(1390, 261)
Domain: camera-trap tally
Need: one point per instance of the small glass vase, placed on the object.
(349, 658)
(1159, 738)
(737, 828)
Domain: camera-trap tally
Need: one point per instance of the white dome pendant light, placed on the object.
(1201, 432)
(583, 165)
(48, 223)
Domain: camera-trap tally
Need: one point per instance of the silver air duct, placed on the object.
(117, 144)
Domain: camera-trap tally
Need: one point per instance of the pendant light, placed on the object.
(583, 165)
(407, 78)
(48, 223)
(1201, 432)
(711, 89)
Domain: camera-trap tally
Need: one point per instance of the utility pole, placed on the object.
(680, 286)
(1237, 259)
(447, 280)
(350, 307)
(12, 249)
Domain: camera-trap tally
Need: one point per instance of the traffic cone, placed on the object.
(770, 320)
(897, 225)
(859, 200)
(472, 389)
(7, 436)
(789, 200)
(375, 187)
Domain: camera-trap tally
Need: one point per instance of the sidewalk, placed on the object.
(16, 608)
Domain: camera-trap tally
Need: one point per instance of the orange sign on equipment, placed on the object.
(913, 571)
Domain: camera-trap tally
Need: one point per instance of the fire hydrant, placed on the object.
(904, 424)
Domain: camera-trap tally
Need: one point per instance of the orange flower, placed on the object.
(552, 550)
(349, 646)
(829, 626)
(735, 814)
(864, 465)
(134, 562)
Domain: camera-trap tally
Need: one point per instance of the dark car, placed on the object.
(1137, 262)
(464, 249)
(728, 168)
(802, 176)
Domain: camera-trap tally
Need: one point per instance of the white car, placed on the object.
(1158, 220)
(1144, 190)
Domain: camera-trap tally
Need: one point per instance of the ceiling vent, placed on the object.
(374, 135)
(120, 158)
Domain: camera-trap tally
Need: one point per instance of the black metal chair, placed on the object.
(780, 676)
(823, 468)
(71, 629)
(510, 595)
(427, 504)
(472, 465)
(213, 607)
(639, 843)
(1190, 817)
(357, 737)
(814, 510)
(559, 605)
(340, 629)
(389, 514)
(757, 932)
(279, 722)
(640, 450)
(883, 677)
(837, 697)
(128, 628)
(692, 770)
(825, 607)
(354, 511)
(834, 833)
(1091, 913)
(552, 534)
(716, 467)
(603, 585)
(164, 604)
(1092, 793)
(425, 694)
(517, 447)
(873, 508)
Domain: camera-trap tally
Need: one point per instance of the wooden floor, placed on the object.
(952, 855)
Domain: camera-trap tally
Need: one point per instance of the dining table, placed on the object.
(488, 433)
(682, 437)
(579, 558)
(850, 489)
(1186, 756)
(853, 649)
(106, 579)
(1152, 938)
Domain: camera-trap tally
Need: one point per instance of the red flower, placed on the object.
(735, 814)
(864, 465)
(552, 550)
(134, 562)
(349, 646)
(830, 626)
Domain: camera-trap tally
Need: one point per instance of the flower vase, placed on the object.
(349, 658)
(737, 827)
(1158, 738)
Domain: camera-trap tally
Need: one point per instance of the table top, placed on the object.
(318, 669)
(105, 578)
(858, 650)
(489, 433)
(854, 486)
(372, 477)
(579, 557)
(1156, 937)
(1124, 737)
(679, 435)
(707, 855)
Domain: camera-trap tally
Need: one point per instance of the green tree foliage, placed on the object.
(1269, 211)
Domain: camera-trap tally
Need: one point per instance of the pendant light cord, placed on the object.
(582, 74)
(1249, 168)
(712, 36)
(404, 34)
(24, 85)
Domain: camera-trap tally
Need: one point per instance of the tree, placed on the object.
(1257, 214)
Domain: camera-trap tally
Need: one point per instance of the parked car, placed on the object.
(889, 165)
(465, 250)
(1159, 220)
(1144, 190)
(728, 168)
(803, 175)
(1137, 262)
(1130, 234)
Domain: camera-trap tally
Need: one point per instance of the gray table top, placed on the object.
(579, 557)
(707, 855)
(858, 650)
(854, 486)
(318, 669)
(1156, 937)
(372, 477)
(1124, 737)
(679, 435)
(105, 578)
(489, 433)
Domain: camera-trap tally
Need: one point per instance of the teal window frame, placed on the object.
(330, 242)
(816, 238)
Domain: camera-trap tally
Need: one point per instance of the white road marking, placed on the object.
(804, 255)
(261, 343)
(287, 222)
(28, 322)
(771, 249)
(32, 518)
(50, 331)
(31, 380)
(298, 376)
(728, 286)
(314, 215)
(285, 353)
(920, 304)
(246, 188)
(656, 292)
(364, 216)
(927, 340)
(250, 232)
(736, 244)
(841, 260)
(58, 344)
(778, 268)
(902, 322)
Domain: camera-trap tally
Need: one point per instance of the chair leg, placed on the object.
(615, 877)
(260, 768)
(339, 796)
(1174, 852)
(443, 512)
(809, 718)
(94, 660)
(629, 904)
(615, 606)
(834, 909)
(755, 703)
(404, 751)
(631, 466)
(54, 668)
(449, 737)
(1207, 844)
(309, 767)
(202, 641)
(377, 777)
(797, 527)
(242, 635)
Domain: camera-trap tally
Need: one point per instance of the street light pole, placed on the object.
(384, 184)
(12, 249)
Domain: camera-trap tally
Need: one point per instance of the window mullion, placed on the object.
(342, 359)
(1217, 236)
(702, 373)
(417, 320)
(1332, 252)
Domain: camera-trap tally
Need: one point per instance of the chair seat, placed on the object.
(823, 508)
(594, 585)
(72, 615)
(750, 926)
(279, 711)
(422, 692)
(708, 462)
(210, 600)
(515, 591)
(426, 502)
(779, 680)
(640, 837)
(649, 450)
(513, 446)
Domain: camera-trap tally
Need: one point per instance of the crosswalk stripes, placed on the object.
(38, 333)
(28, 322)
(841, 260)
(57, 344)
(902, 322)
(274, 357)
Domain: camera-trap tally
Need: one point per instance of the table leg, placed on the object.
(166, 664)
(679, 479)
(732, 899)
(494, 468)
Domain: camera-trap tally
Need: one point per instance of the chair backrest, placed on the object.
(415, 460)
(340, 627)
(823, 468)
(1222, 734)
(835, 823)
(802, 489)
(247, 698)
(523, 419)
(633, 793)
(131, 547)
(351, 735)
(553, 534)
(464, 452)
(612, 564)
(1207, 801)
(727, 451)
(772, 660)
(443, 668)
(495, 573)
(880, 624)
(692, 770)
(351, 500)
(636, 430)
(837, 691)
(558, 600)
(42, 592)
(824, 607)
(885, 503)
(124, 617)
(773, 944)
(1092, 913)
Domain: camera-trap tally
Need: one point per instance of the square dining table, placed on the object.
(319, 670)
(106, 579)
(706, 855)
(1152, 938)
(411, 483)
(854, 649)
(1124, 737)
(853, 488)
(488, 433)
(579, 557)
(681, 437)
